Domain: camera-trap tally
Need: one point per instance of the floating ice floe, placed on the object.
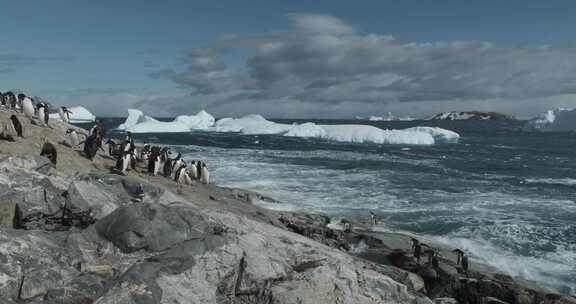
(137, 122)
(254, 124)
(561, 119)
(79, 115)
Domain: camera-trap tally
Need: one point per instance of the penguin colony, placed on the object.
(156, 159)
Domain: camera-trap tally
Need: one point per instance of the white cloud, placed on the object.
(324, 67)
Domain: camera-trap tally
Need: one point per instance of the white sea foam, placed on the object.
(552, 181)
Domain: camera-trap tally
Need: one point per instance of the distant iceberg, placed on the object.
(561, 119)
(258, 125)
(137, 122)
(389, 117)
(79, 115)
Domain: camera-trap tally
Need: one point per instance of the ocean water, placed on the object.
(504, 195)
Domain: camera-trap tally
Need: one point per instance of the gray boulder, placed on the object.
(152, 227)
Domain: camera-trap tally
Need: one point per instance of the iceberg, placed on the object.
(561, 119)
(137, 122)
(255, 124)
(134, 117)
(79, 115)
(250, 125)
(258, 125)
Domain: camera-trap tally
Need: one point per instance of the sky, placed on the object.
(292, 59)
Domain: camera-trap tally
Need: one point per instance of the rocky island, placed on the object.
(75, 232)
(471, 115)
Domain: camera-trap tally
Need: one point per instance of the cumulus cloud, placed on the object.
(325, 62)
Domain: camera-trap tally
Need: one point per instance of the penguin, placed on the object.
(179, 164)
(64, 114)
(459, 256)
(182, 177)
(20, 101)
(27, 107)
(11, 100)
(373, 218)
(167, 168)
(465, 263)
(154, 153)
(17, 126)
(2, 100)
(91, 147)
(126, 162)
(199, 169)
(157, 165)
(73, 137)
(193, 172)
(43, 112)
(50, 152)
(205, 177)
(8, 132)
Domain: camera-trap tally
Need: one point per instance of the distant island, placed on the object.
(472, 115)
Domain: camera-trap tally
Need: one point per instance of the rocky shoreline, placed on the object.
(76, 233)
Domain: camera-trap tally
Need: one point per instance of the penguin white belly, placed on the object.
(205, 176)
(157, 164)
(193, 172)
(41, 114)
(185, 178)
(125, 162)
(74, 141)
(28, 107)
(62, 115)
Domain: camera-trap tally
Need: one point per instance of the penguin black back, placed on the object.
(17, 125)
(50, 152)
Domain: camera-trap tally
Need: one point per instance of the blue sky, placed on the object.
(102, 53)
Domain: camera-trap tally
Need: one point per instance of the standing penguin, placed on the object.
(193, 172)
(17, 125)
(27, 106)
(11, 99)
(20, 101)
(43, 112)
(205, 174)
(91, 147)
(73, 137)
(64, 114)
(50, 152)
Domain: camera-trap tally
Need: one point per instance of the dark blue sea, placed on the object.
(505, 195)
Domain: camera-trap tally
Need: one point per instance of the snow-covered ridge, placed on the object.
(137, 122)
(561, 119)
(473, 115)
(79, 115)
(389, 117)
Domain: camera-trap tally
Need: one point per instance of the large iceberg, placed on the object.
(79, 115)
(258, 125)
(137, 122)
(561, 119)
(250, 125)
(134, 117)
